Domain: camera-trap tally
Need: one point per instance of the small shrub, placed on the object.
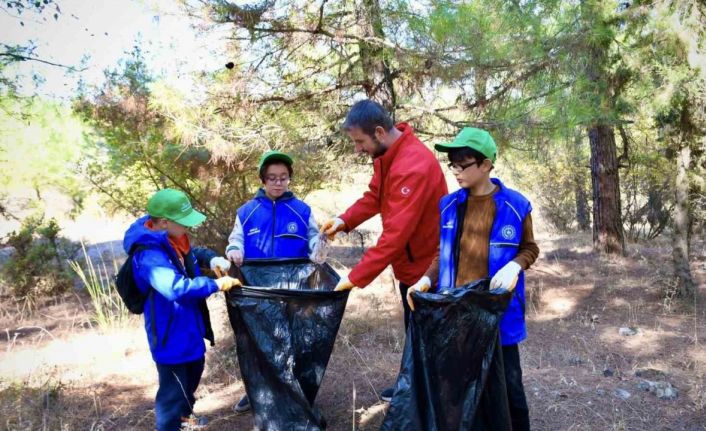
(38, 265)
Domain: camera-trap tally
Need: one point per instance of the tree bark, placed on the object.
(607, 219)
(583, 219)
(686, 287)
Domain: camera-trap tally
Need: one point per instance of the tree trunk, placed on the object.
(686, 288)
(582, 216)
(607, 220)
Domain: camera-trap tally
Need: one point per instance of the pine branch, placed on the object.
(19, 57)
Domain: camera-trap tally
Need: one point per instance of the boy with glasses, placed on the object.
(274, 224)
(486, 232)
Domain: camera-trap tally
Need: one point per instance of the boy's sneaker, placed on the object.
(242, 406)
(386, 394)
(193, 422)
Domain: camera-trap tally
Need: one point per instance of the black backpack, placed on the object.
(125, 284)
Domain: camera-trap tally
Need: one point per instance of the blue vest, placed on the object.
(511, 208)
(274, 229)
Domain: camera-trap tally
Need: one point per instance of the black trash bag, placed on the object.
(285, 329)
(452, 375)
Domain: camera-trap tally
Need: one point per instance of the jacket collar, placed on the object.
(462, 193)
(386, 159)
(260, 195)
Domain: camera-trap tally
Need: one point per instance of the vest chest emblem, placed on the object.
(508, 232)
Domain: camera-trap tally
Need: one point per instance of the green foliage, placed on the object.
(41, 144)
(647, 194)
(151, 137)
(534, 73)
(37, 266)
(559, 178)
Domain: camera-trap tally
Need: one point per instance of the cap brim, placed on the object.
(447, 146)
(278, 158)
(194, 218)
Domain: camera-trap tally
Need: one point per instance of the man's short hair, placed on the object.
(367, 115)
(459, 155)
(269, 163)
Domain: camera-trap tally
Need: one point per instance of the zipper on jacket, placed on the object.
(150, 298)
(409, 252)
(274, 223)
(382, 186)
(166, 330)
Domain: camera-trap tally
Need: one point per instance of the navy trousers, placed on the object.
(519, 412)
(175, 396)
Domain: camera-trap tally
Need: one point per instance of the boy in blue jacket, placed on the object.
(274, 224)
(166, 268)
(486, 232)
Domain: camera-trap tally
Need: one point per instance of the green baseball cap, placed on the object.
(174, 205)
(477, 139)
(274, 156)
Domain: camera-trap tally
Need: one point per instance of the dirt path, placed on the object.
(58, 371)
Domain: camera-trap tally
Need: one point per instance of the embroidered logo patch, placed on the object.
(291, 227)
(448, 225)
(405, 190)
(508, 231)
(254, 231)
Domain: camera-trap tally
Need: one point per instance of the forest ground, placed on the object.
(58, 371)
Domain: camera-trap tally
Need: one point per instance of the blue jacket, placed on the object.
(275, 228)
(511, 208)
(176, 319)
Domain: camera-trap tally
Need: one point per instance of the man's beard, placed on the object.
(379, 148)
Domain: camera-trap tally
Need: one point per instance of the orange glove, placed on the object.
(332, 227)
(226, 283)
(344, 284)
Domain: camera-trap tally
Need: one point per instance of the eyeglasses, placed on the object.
(274, 180)
(457, 168)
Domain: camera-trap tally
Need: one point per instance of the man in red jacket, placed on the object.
(405, 190)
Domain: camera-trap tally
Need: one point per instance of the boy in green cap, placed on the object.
(486, 232)
(274, 224)
(166, 269)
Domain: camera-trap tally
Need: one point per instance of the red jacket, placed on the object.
(405, 190)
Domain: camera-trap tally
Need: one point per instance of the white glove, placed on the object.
(320, 251)
(236, 256)
(422, 285)
(506, 277)
(221, 263)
